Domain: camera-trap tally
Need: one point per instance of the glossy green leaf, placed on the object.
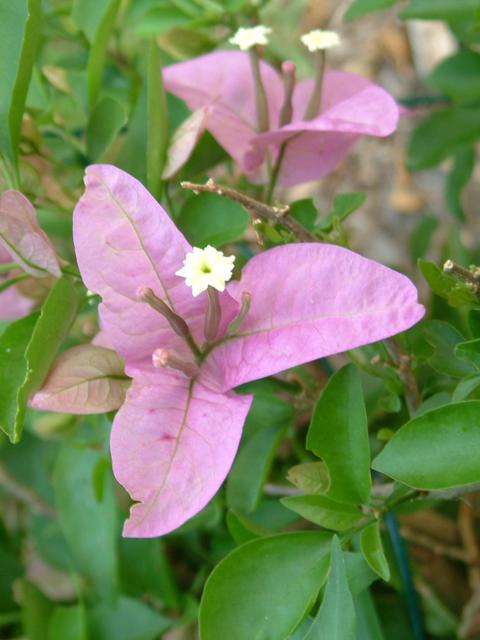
(338, 434)
(457, 179)
(440, 9)
(310, 477)
(106, 119)
(438, 450)
(343, 205)
(359, 8)
(372, 549)
(441, 134)
(210, 219)
(324, 511)
(457, 293)
(90, 527)
(68, 622)
(127, 619)
(456, 76)
(444, 338)
(266, 585)
(336, 617)
(20, 32)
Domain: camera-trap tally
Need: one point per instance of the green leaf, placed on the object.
(336, 617)
(20, 32)
(442, 134)
(343, 205)
(359, 8)
(145, 568)
(243, 530)
(372, 549)
(158, 18)
(457, 75)
(310, 477)
(90, 527)
(157, 122)
(251, 467)
(465, 387)
(360, 575)
(444, 338)
(457, 179)
(444, 285)
(128, 619)
(95, 18)
(56, 317)
(106, 119)
(68, 622)
(36, 611)
(440, 9)
(368, 624)
(469, 351)
(324, 511)
(305, 212)
(266, 586)
(438, 450)
(210, 219)
(421, 236)
(13, 369)
(133, 154)
(338, 434)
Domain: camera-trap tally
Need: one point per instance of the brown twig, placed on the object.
(25, 494)
(470, 276)
(438, 548)
(255, 208)
(403, 362)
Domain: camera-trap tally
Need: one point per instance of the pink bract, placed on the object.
(174, 439)
(12, 304)
(222, 81)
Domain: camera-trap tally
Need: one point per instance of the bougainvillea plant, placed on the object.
(220, 416)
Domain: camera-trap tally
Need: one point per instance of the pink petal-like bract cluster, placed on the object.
(222, 83)
(174, 439)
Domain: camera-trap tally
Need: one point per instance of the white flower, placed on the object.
(246, 38)
(317, 40)
(206, 267)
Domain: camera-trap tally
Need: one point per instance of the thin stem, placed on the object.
(8, 266)
(403, 362)
(261, 101)
(276, 171)
(315, 101)
(12, 281)
(255, 208)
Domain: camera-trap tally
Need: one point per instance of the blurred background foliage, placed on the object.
(81, 83)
